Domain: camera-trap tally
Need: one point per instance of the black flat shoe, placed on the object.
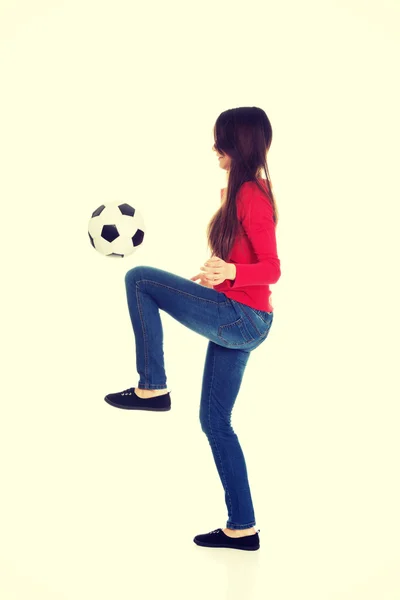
(130, 400)
(218, 539)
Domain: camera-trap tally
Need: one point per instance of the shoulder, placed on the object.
(250, 195)
(249, 187)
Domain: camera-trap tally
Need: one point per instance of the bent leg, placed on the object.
(199, 308)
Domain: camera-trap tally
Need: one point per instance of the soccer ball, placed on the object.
(116, 229)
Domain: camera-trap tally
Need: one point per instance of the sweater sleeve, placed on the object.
(255, 213)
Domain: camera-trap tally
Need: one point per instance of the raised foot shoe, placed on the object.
(130, 400)
(218, 539)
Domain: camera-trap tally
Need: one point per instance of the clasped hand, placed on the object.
(215, 271)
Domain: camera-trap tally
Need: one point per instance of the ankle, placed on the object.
(151, 392)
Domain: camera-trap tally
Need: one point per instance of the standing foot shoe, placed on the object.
(130, 400)
(218, 539)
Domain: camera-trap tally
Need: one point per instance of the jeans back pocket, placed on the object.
(265, 315)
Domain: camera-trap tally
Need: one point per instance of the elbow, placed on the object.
(277, 274)
(275, 271)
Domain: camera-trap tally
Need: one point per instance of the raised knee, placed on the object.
(132, 273)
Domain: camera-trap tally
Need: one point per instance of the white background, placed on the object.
(105, 101)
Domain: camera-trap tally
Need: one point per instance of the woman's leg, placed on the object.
(201, 309)
(233, 331)
(222, 378)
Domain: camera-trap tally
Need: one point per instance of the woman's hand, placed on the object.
(202, 280)
(216, 271)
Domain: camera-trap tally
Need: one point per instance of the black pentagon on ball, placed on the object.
(98, 211)
(91, 240)
(109, 233)
(126, 209)
(138, 237)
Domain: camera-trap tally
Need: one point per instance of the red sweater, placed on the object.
(254, 252)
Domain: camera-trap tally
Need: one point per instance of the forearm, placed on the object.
(264, 272)
(232, 274)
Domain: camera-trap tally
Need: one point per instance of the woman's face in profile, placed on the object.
(224, 159)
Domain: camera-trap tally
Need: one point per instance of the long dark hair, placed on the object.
(244, 134)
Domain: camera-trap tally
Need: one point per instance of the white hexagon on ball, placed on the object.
(116, 229)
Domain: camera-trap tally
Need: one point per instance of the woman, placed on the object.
(231, 308)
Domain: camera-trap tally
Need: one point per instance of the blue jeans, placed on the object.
(233, 330)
